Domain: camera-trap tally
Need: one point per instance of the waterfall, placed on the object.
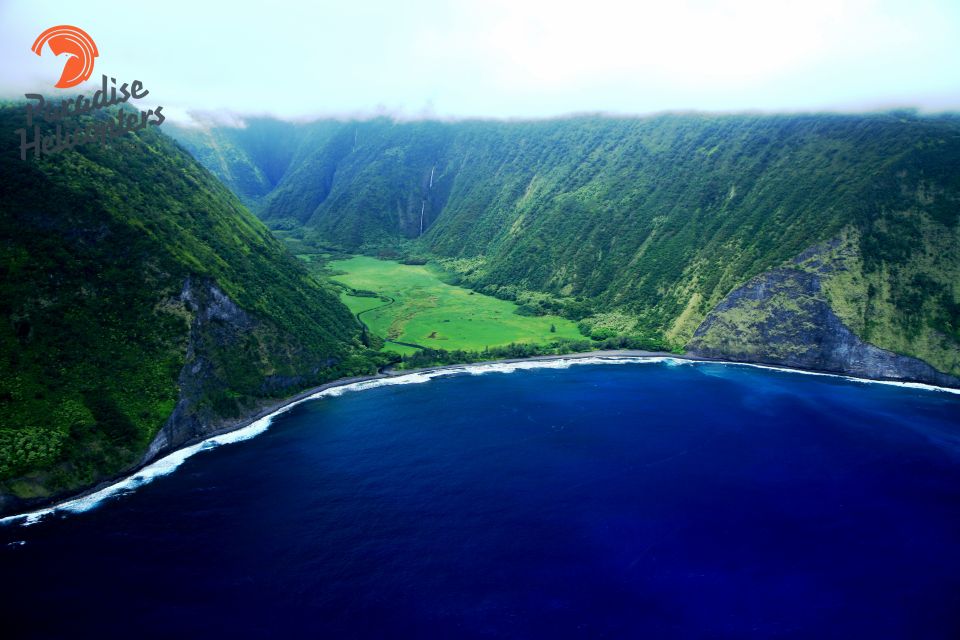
(423, 203)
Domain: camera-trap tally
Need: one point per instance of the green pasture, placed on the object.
(429, 312)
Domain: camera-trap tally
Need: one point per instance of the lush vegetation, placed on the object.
(412, 305)
(421, 358)
(639, 227)
(910, 309)
(96, 245)
(550, 236)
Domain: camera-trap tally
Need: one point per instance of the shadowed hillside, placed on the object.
(144, 306)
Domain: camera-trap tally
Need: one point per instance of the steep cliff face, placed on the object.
(140, 306)
(880, 300)
(219, 328)
(783, 317)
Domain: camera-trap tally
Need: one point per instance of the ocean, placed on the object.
(656, 499)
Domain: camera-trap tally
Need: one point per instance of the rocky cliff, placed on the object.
(783, 317)
(142, 306)
(219, 328)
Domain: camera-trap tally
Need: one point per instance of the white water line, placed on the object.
(169, 463)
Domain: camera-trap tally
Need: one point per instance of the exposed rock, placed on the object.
(782, 317)
(218, 327)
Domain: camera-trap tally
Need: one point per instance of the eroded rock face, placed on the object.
(219, 330)
(218, 320)
(782, 317)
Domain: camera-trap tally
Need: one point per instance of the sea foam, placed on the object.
(169, 463)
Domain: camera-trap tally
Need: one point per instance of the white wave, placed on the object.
(409, 378)
(564, 363)
(893, 383)
(169, 463)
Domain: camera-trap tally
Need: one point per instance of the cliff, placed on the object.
(143, 306)
(785, 317)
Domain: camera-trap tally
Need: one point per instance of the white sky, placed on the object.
(504, 58)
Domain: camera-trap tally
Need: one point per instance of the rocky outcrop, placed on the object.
(237, 368)
(219, 328)
(216, 315)
(782, 318)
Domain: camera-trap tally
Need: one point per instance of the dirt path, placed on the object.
(383, 306)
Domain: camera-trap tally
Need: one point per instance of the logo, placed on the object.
(77, 44)
(102, 118)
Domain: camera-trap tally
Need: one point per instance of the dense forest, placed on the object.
(120, 265)
(634, 227)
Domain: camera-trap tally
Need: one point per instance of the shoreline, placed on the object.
(136, 476)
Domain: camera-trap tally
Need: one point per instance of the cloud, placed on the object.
(502, 58)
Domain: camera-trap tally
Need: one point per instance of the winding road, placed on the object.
(383, 306)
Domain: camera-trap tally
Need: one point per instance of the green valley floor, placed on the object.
(414, 305)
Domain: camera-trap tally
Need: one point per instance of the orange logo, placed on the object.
(77, 44)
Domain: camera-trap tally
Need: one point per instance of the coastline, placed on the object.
(253, 425)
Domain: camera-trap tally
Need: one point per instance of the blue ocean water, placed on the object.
(598, 501)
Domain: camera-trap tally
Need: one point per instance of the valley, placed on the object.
(634, 228)
(154, 292)
(414, 305)
(480, 320)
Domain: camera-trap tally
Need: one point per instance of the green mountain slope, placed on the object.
(642, 226)
(250, 160)
(141, 298)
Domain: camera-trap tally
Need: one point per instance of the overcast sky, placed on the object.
(504, 58)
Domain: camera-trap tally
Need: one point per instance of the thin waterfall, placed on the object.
(423, 203)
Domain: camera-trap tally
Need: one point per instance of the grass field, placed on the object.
(429, 312)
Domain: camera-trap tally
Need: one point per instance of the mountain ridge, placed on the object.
(642, 226)
(141, 298)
